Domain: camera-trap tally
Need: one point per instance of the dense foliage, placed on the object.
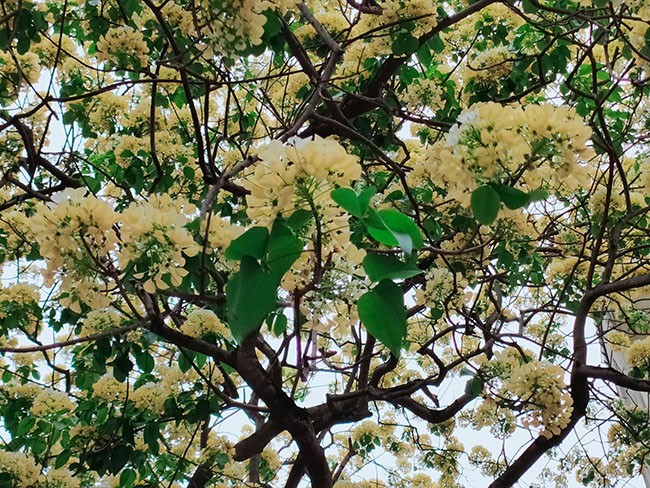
(257, 243)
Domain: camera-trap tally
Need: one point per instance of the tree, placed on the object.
(253, 243)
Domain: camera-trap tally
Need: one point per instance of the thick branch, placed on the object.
(188, 342)
(284, 411)
(257, 441)
(616, 377)
(434, 416)
(579, 394)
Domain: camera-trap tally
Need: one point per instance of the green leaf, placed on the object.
(62, 459)
(145, 362)
(279, 324)
(131, 7)
(528, 7)
(151, 434)
(381, 267)
(485, 202)
(424, 56)
(299, 219)
(23, 45)
(393, 228)
(284, 249)
(127, 478)
(251, 296)
(512, 198)
(38, 445)
(538, 195)
(186, 360)
(122, 366)
(4, 39)
(25, 425)
(189, 173)
(405, 44)
(120, 455)
(364, 198)
(272, 26)
(347, 199)
(474, 387)
(381, 311)
(251, 243)
(354, 204)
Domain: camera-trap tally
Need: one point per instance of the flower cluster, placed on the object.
(298, 176)
(76, 235)
(489, 67)
(422, 94)
(109, 389)
(638, 354)
(19, 302)
(21, 467)
(106, 111)
(548, 404)
(219, 233)
(123, 47)
(422, 14)
(101, 320)
(154, 240)
(301, 176)
(541, 145)
(538, 387)
(440, 289)
(200, 322)
(50, 401)
(232, 26)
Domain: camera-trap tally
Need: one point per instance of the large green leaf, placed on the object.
(354, 204)
(382, 312)
(381, 267)
(364, 198)
(120, 455)
(485, 202)
(405, 44)
(512, 198)
(474, 386)
(299, 219)
(251, 295)
(393, 228)
(251, 243)
(283, 249)
(347, 199)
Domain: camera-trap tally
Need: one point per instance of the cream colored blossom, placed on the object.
(101, 320)
(200, 322)
(62, 478)
(301, 177)
(547, 145)
(547, 402)
(74, 233)
(618, 340)
(150, 396)
(22, 468)
(50, 401)
(123, 47)
(638, 354)
(153, 233)
(109, 389)
(490, 66)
